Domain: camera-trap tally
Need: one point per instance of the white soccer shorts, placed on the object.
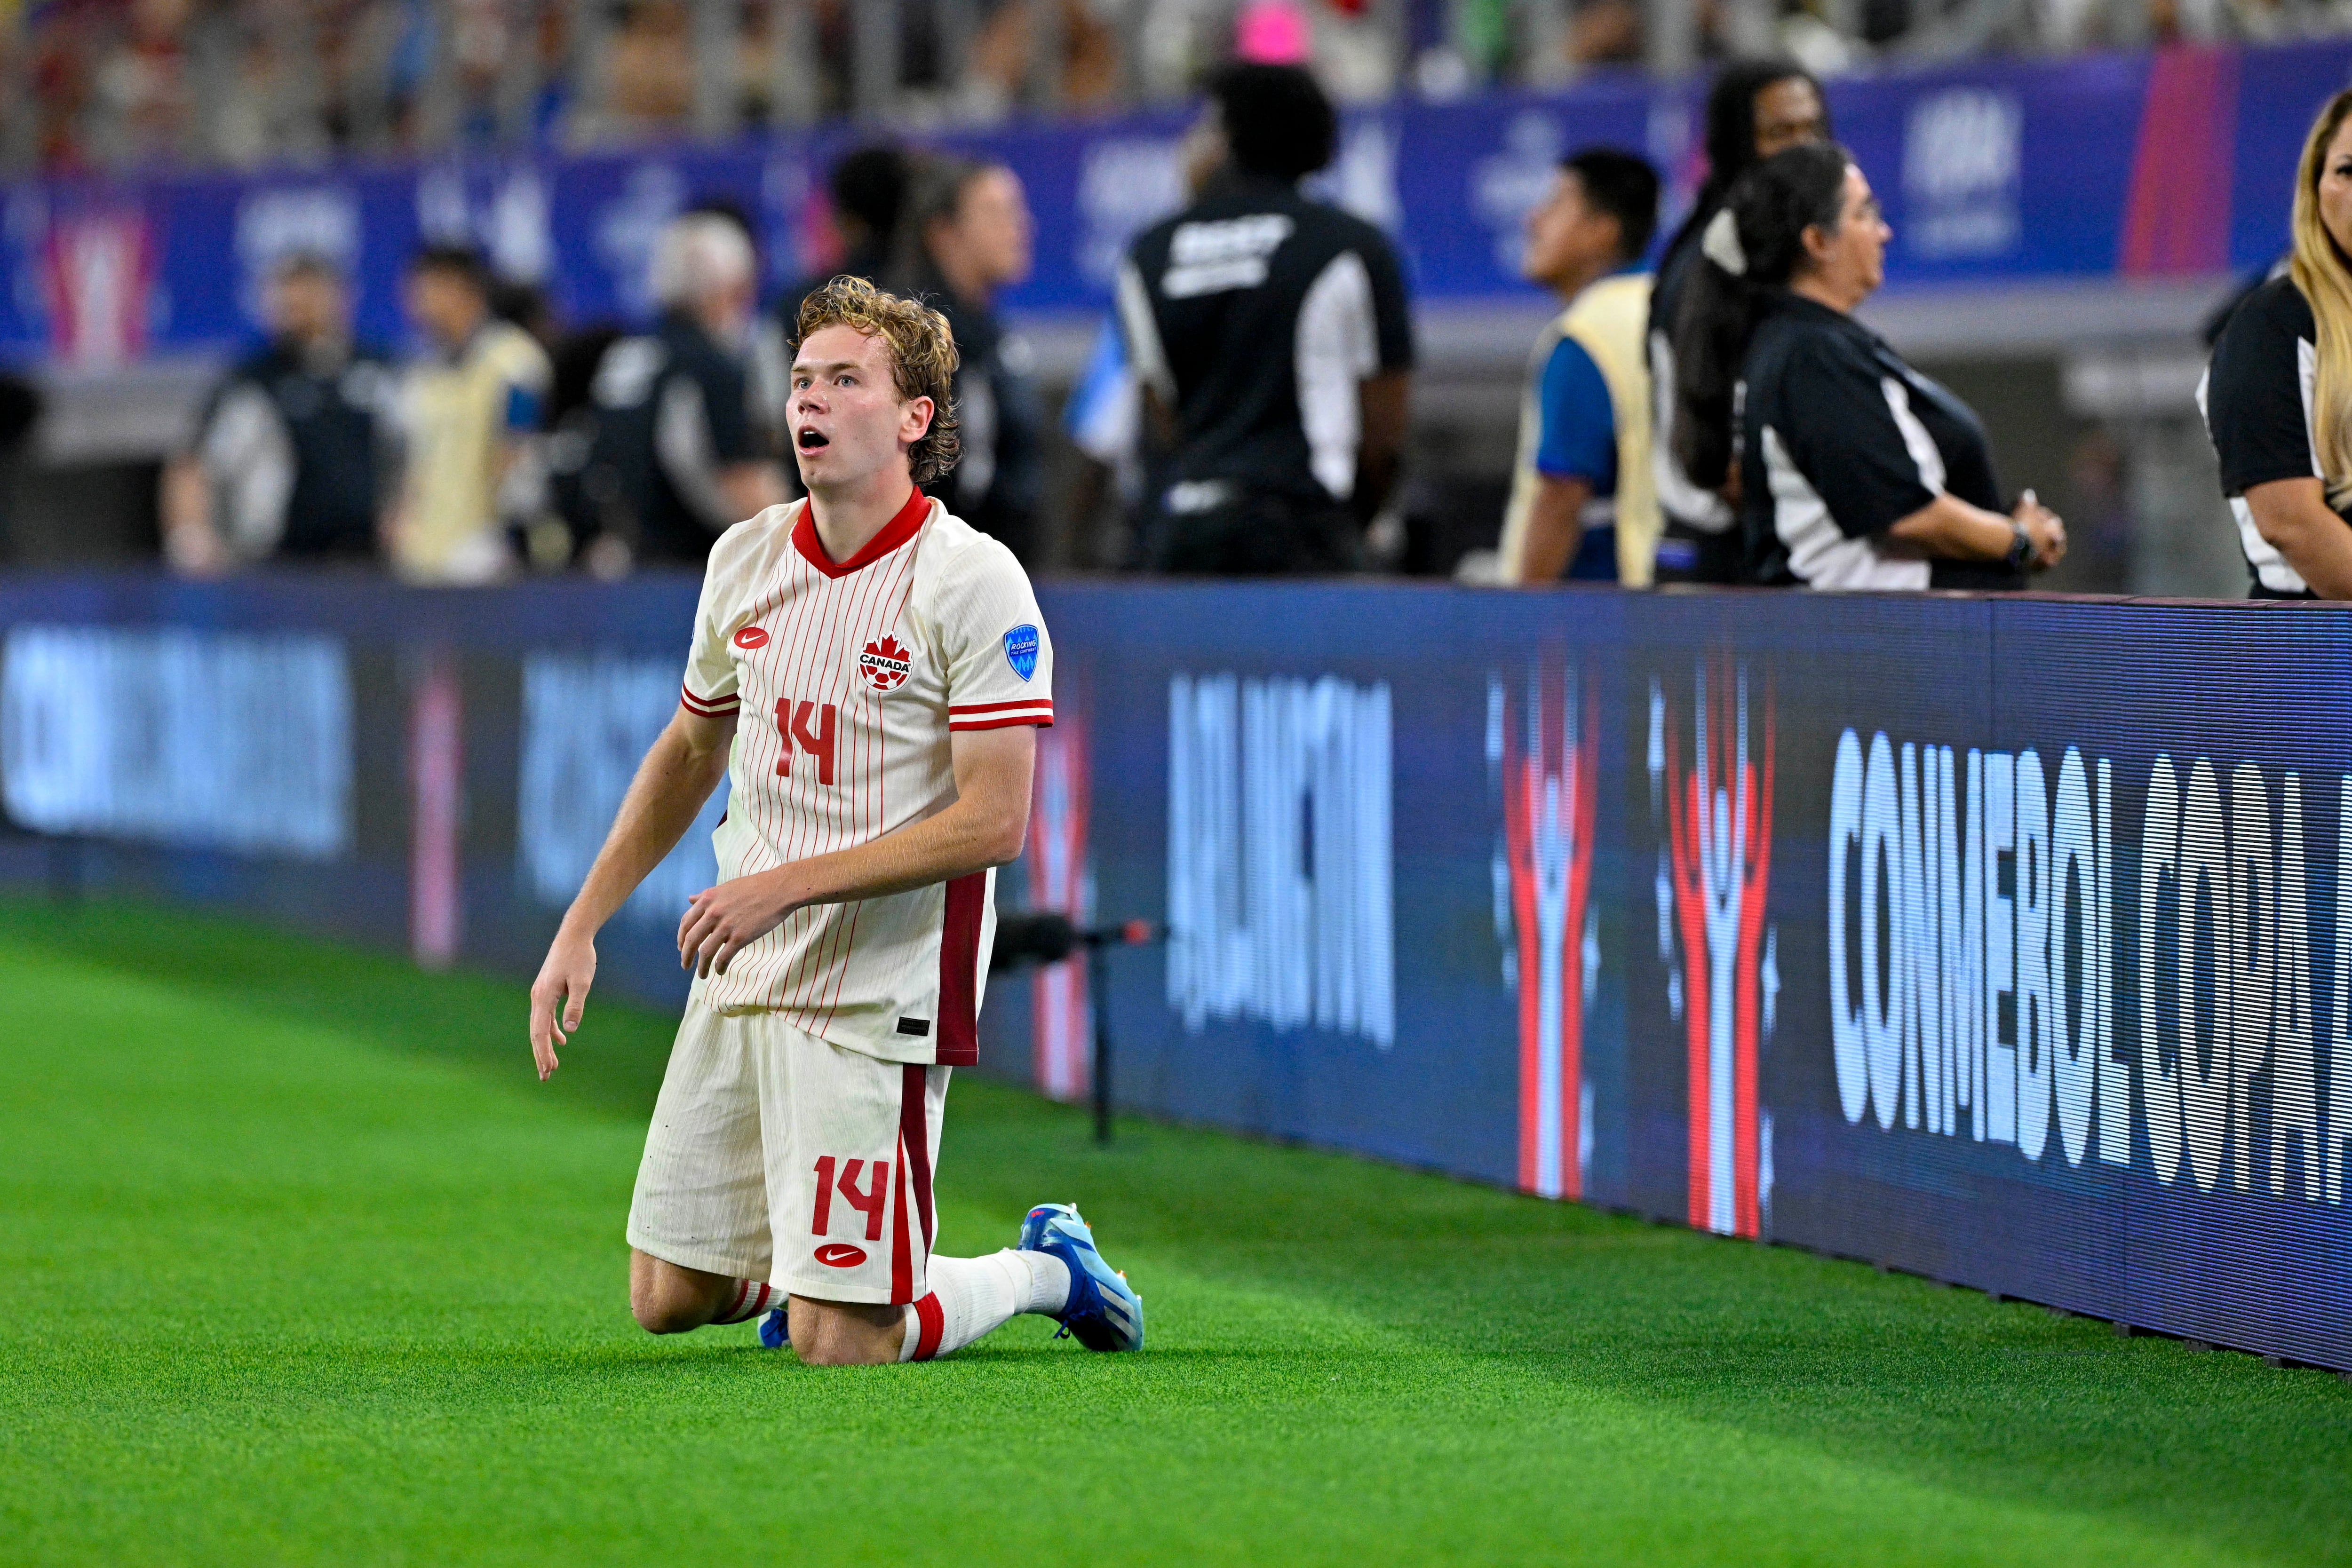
(776, 1155)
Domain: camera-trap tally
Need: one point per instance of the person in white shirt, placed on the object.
(868, 674)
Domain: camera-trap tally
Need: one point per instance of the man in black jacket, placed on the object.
(291, 456)
(1271, 335)
(677, 457)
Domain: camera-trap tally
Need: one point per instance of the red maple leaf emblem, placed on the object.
(886, 665)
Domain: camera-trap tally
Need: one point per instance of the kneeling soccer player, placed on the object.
(868, 671)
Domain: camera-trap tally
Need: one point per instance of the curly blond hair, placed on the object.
(923, 358)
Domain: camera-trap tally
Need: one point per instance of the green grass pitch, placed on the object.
(299, 1264)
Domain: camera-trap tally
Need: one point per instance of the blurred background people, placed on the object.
(675, 459)
(1755, 109)
(471, 410)
(1271, 334)
(1582, 501)
(968, 236)
(1855, 471)
(868, 189)
(292, 453)
(2278, 395)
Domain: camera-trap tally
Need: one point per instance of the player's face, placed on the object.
(2335, 187)
(848, 421)
(1789, 113)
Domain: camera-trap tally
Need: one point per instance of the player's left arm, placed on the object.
(984, 827)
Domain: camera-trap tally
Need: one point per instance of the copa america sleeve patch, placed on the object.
(1021, 650)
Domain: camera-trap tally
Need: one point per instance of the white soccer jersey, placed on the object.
(848, 679)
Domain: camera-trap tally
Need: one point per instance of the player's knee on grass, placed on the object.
(845, 1334)
(668, 1299)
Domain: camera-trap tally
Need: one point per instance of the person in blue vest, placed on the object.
(1582, 501)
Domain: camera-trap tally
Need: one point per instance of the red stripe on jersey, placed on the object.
(931, 1326)
(1042, 720)
(896, 532)
(1046, 703)
(960, 971)
(915, 1140)
(708, 708)
(902, 1255)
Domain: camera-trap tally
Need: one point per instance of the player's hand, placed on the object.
(558, 996)
(721, 921)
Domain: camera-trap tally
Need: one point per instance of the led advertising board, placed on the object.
(2004, 941)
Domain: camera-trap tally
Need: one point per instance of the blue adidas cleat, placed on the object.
(773, 1331)
(1103, 1312)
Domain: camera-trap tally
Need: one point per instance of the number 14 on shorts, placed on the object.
(869, 1203)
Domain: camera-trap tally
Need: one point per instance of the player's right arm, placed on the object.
(672, 783)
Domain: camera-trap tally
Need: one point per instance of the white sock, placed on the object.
(751, 1298)
(1049, 1283)
(970, 1296)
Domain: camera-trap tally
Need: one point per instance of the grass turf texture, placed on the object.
(302, 1266)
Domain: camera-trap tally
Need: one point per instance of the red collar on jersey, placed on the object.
(895, 532)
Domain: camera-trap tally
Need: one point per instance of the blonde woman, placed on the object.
(2278, 397)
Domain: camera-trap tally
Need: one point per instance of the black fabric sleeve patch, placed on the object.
(2254, 396)
(917, 1027)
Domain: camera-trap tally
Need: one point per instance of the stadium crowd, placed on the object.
(118, 83)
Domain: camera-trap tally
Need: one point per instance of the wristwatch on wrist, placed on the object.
(2020, 546)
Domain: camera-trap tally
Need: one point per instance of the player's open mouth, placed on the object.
(811, 439)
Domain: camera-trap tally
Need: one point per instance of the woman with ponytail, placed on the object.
(2278, 397)
(1853, 469)
(1755, 108)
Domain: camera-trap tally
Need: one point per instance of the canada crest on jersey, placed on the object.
(886, 665)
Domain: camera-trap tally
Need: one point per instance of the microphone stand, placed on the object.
(1048, 938)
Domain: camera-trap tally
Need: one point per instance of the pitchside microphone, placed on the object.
(1046, 937)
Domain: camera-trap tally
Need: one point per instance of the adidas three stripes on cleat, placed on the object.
(1103, 1312)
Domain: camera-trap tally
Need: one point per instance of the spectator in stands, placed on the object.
(1755, 109)
(1005, 63)
(676, 460)
(293, 451)
(969, 234)
(649, 70)
(2283, 431)
(1271, 334)
(471, 413)
(1584, 470)
(1855, 471)
(141, 102)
